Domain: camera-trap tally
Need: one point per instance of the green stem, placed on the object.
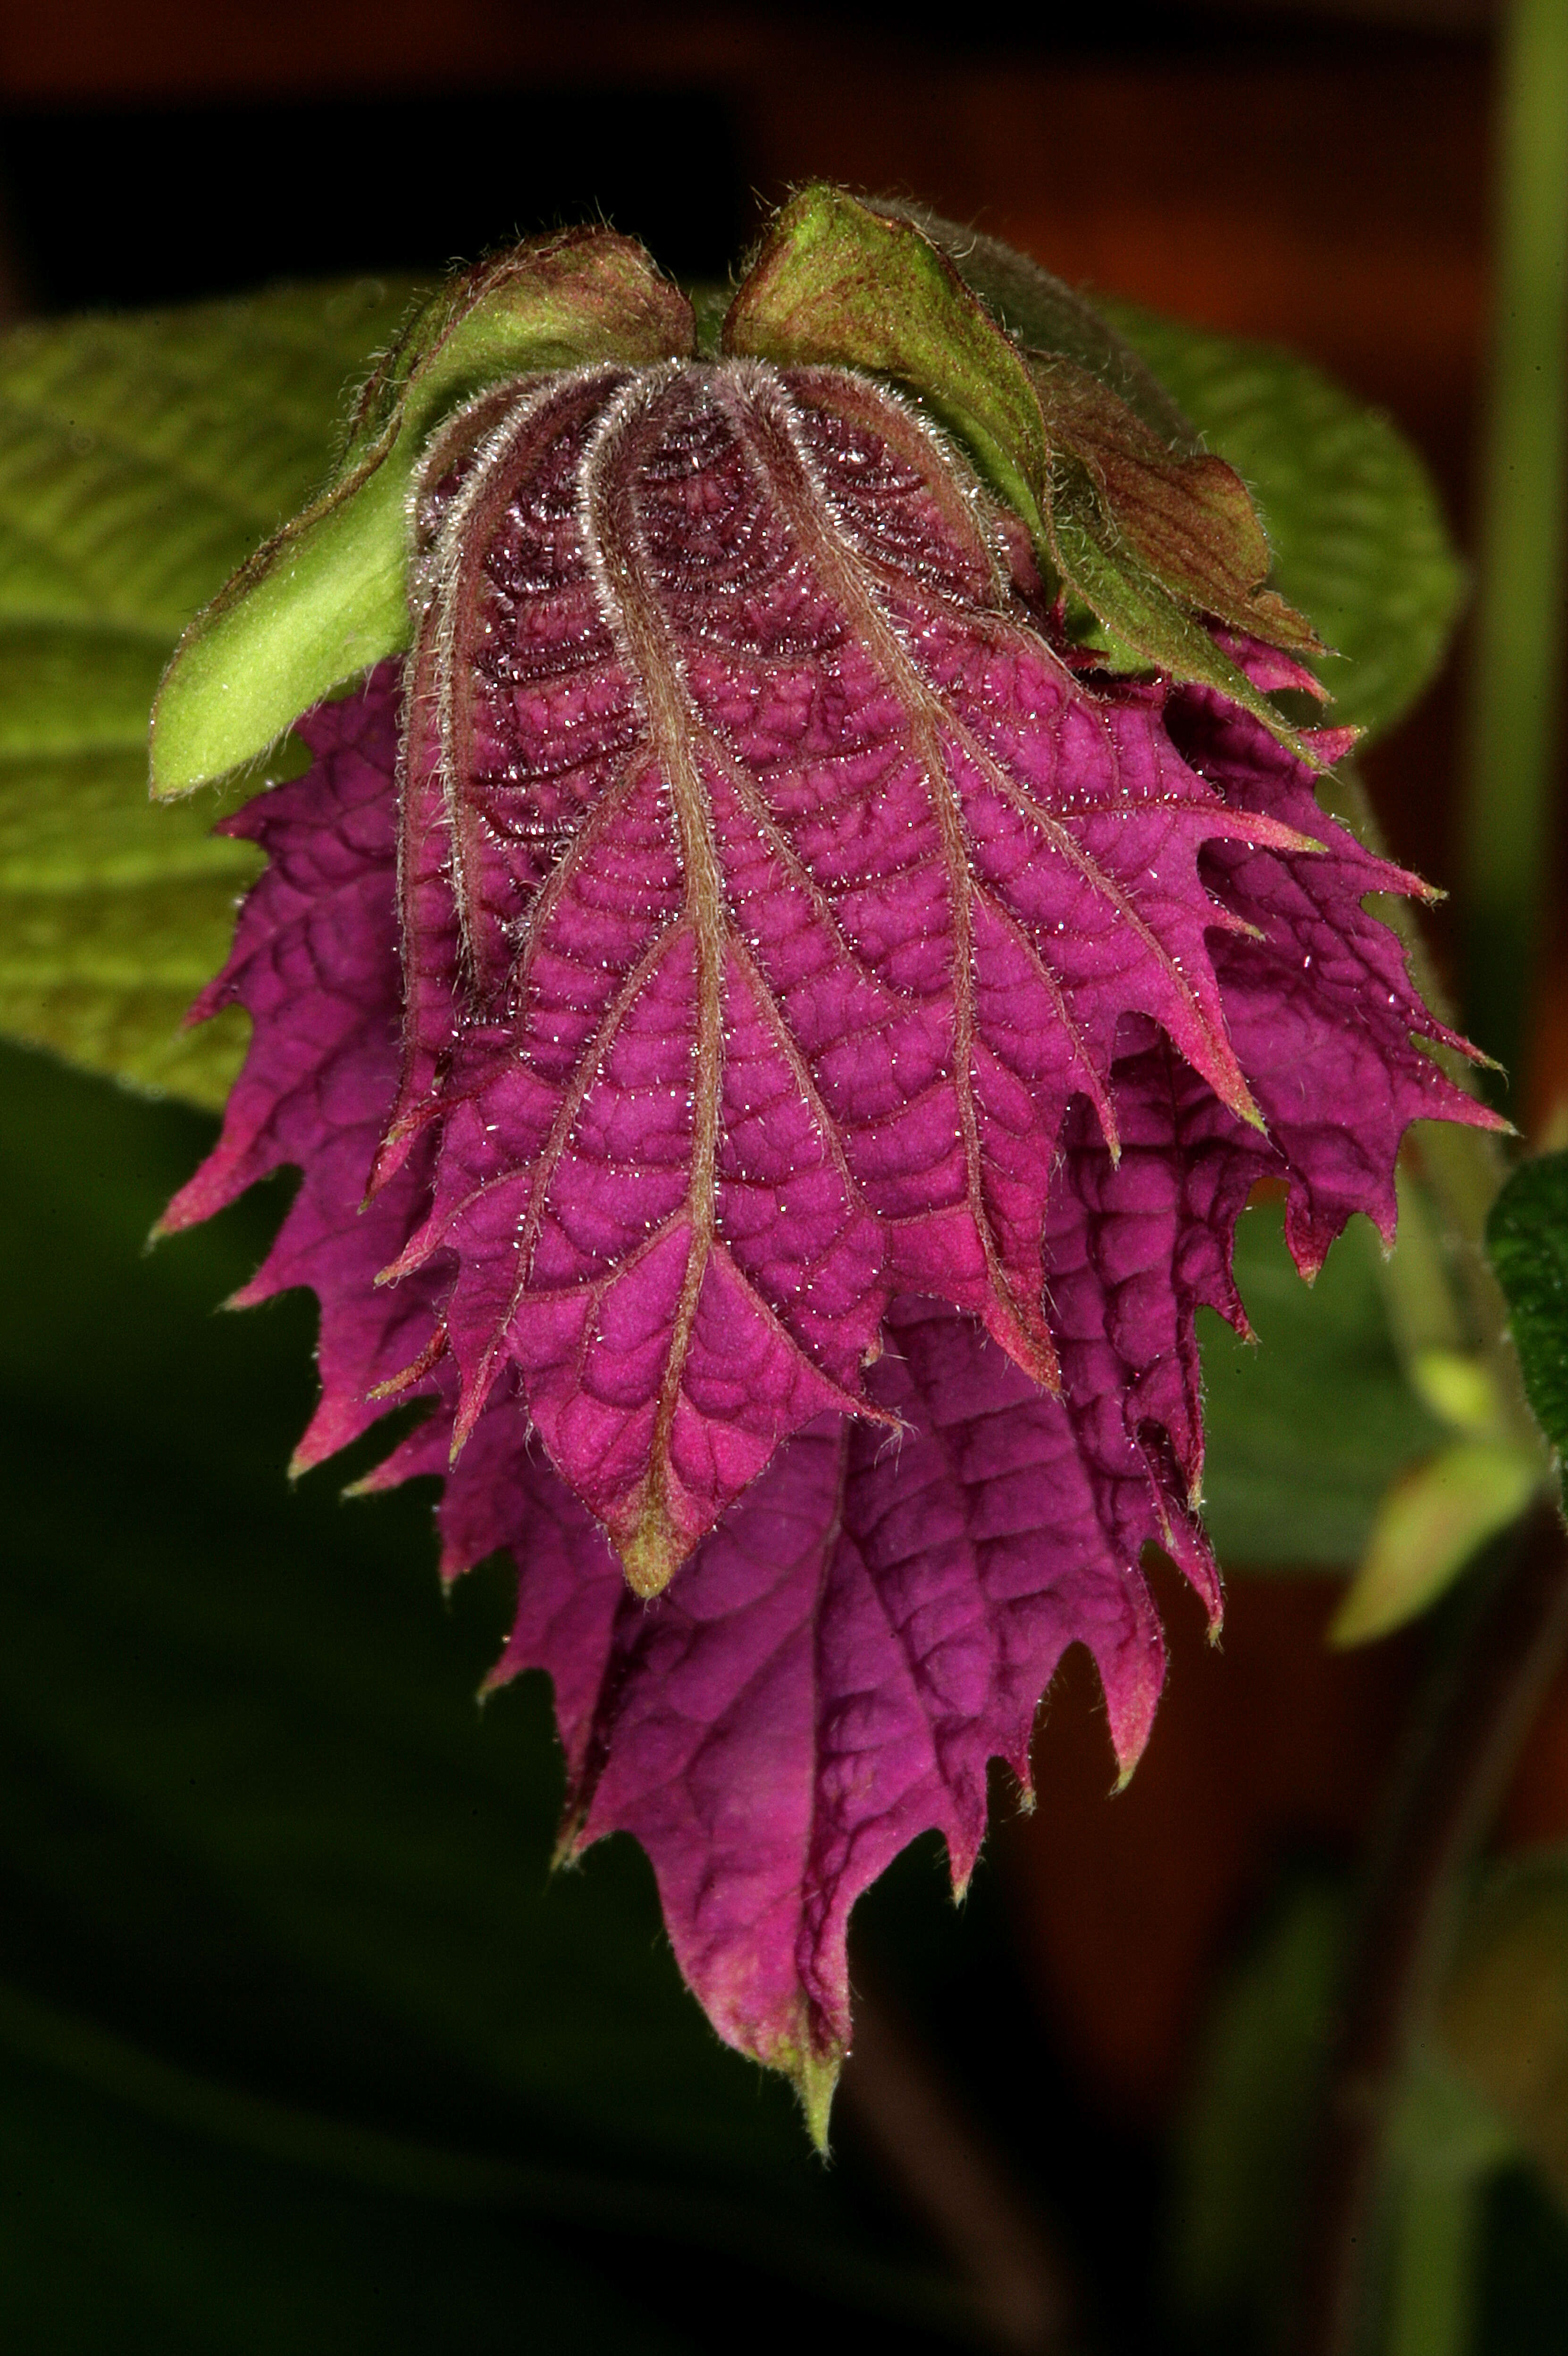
(1483, 1691)
(1439, 1285)
(1518, 653)
(1432, 2295)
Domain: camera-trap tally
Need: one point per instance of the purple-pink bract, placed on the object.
(807, 1047)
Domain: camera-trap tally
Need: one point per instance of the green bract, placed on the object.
(1145, 536)
(1357, 528)
(327, 596)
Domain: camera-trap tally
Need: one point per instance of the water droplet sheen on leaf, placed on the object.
(802, 1039)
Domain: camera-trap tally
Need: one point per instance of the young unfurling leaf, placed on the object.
(777, 1039)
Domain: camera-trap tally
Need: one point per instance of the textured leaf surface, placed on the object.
(841, 282)
(142, 459)
(771, 888)
(1361, 545)
(1527, 1240)
(875, 1619)
(328, 596)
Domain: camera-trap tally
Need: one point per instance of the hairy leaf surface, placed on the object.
(878, 1615)
(1359, 536)
(771, 888)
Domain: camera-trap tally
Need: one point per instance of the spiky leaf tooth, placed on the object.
(829, 1674)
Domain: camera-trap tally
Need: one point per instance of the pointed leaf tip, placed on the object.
(1430, 1524)
(651, 1548)
(815, 2077)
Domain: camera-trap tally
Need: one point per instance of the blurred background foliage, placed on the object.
(299, 2044)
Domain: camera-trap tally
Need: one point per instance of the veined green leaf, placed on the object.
(1527, 1242)
(142, 459)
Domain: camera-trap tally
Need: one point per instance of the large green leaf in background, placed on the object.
(142, 459)
(1359, 538)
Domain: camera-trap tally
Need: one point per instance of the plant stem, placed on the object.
(1518, 645)
(938, 2156)
(1433, 2292)
(1481, 1695)
(1462, 1170)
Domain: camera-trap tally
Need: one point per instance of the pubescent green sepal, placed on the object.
(326, 596)
(837, 284)
(1147, 536)
(1147, 627)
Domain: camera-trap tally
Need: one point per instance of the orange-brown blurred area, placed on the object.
(1315, 175)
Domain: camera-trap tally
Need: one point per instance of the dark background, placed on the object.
(1315, 175)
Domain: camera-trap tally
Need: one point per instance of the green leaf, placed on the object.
(841, 283)
(141, 460)
(1433, 1520)
(1358, 531)
(1527, 1242)
(838, 284)
(144, 456)
(1145, 626)
(1046, 314)
(1306, 1430)
(294, 2015)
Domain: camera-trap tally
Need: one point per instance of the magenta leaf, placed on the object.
(878, 1612)
(771, 887)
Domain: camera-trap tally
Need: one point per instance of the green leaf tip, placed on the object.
(1126, 515)
(328, 596)
(815, 2077)
(1431, 1523)
(1354, 519)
